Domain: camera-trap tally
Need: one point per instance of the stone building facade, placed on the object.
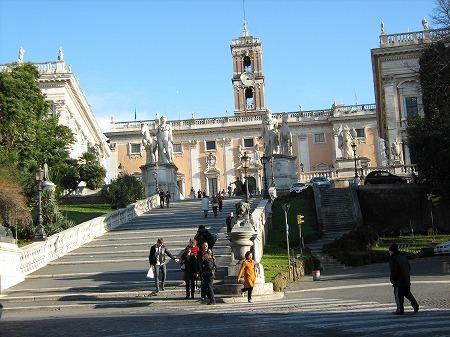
(398, 95)
(207, 151)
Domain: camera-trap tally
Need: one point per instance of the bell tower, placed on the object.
(248, 78)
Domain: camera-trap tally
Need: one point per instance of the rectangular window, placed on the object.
(248, 142)
(319, 138)
(210, 145)
(360, 133)
(411, 107)
(177, 148)
(135, 148)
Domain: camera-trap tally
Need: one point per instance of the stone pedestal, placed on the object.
(167, 179)
(241, 240)
(284, 171)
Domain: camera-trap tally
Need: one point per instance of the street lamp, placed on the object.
(286, 207)
(245, 160)
(354, 156)
(40, 231)
(264, 161)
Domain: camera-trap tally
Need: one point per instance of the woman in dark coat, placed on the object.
(190, 266)
(208, 275)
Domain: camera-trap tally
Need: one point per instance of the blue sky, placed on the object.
(173, 57)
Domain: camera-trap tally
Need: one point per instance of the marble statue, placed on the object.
(211, 161)
(21, 55)
(60, 54)
(270, 135)
(285, 137)
(382, 28)
(150, 143)
(425, 24)
(396, 151)
(345, 140)
(165, 142)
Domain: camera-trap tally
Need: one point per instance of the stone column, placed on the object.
(228, 162)
(194, 164)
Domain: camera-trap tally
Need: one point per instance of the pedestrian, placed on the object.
(199, 194)
(162, 196)
(192, 193)
(400, 279)
(157, 260)
(230, 190)
(230, 222)
(203, 235)
(204, 248)
(220, 197)
(248, 271)
(168, 196)
(189, 264)
(215, 205)
(204, 194)
(205, 206)
(207, 272)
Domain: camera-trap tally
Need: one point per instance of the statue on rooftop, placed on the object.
(21, 55)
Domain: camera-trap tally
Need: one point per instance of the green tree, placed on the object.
(428, 137)
(28, 134)
(123, 191)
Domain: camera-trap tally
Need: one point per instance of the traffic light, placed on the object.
(300, 219)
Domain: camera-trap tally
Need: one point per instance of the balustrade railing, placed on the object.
(294, 116)
(406, 171)
(400, 39)
(39, 254)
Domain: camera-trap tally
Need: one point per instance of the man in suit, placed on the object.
(157, 260)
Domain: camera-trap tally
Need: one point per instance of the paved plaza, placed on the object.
(100, 289)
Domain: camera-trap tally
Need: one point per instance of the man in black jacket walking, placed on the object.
(400, 279)
(157, 260)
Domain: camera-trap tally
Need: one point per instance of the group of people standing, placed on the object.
(216, 202)
(164, 198)
(198, 264)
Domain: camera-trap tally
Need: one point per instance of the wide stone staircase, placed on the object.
(337, 215)
(110, 271)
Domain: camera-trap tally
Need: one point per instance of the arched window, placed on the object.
(247, 64)
(249, 98)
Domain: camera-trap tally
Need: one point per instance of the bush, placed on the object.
(123, 191)
(53, 220)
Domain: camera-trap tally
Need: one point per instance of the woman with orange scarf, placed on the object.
(248, 270)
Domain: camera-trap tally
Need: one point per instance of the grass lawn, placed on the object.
(82, 213)
(409, 243)
(275, 251)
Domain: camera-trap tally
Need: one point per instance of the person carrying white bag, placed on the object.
(157, 260)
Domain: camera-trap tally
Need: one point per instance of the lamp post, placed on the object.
(286, 211)
(40, 231)
(245, 164)
(354, 156)
(264, 160)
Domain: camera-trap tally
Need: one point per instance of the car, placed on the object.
(297, 187)
(383, 177)
(320, 181)
(442, 248)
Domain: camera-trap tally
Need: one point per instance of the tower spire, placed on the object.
(244, 26)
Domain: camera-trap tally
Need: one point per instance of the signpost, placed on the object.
(286, 210)
(300, 220)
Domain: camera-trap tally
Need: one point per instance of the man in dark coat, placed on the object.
(162, 197)
(400, 279)
(230, 222)
(203, 235)
(157, 260)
